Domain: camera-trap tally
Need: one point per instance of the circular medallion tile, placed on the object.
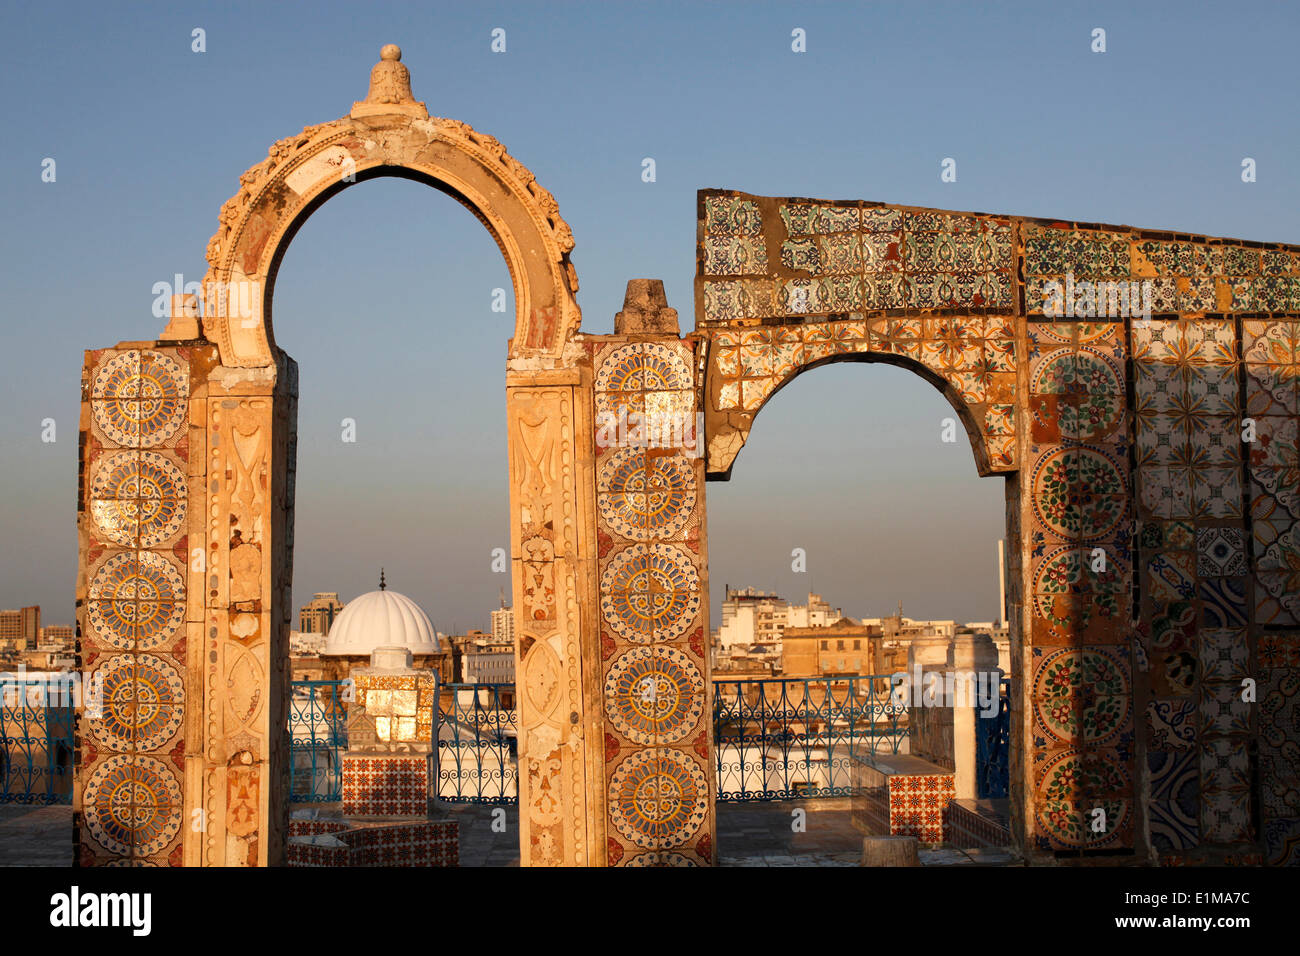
(138, 398)
(658, 798)
(143, 700)
(1079, 492)
(133, 804)
(1095, 388)
(118, 377)
(643, 367)
(1069, 571)
(1086, 691)
(138, 494)
(650, 592)
(654, 695)
(1067, 824)
(643, 497)
(137, 600)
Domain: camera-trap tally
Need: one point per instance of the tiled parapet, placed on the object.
(386, 785)
(425, 844)
(902, 796)
(762, 258)
(978, 823)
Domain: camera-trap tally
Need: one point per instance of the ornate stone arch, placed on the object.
(747, 367)
(387, 134)
(728, 431)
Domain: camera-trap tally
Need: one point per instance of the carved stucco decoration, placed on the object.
(387, 134)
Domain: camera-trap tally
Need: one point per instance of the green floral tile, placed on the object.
(729, 216)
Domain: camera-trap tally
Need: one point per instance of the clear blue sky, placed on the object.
(149, 139)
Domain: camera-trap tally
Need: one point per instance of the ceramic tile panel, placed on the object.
(649, 500)
(134, 497)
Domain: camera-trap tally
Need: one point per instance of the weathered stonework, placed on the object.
(1120, 432)
(1119, 436)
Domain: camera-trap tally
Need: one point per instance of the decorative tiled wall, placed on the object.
(912, 800)
(386, 785)
(653, 610)
(1158, 458)
(133, 497)
(1079, 537)
(334, 842)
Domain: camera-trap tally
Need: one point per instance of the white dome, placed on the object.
(381, 619)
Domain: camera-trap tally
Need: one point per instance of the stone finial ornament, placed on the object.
(646, 310)
(184, 321)
(390, 87)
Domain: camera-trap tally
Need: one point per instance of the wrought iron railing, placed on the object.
(775, 738)
(37, 741)
(477, 748)
(318, 736)
(992, 748)
(784, 738)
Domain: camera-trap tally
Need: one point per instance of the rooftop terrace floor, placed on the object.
(749, 834)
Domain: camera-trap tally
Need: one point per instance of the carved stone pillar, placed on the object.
(251, 421)
(549, 422)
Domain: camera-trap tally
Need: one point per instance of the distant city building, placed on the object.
(306, 643)
(60, 634)
(751, 626)
(317, 615)
(489, 662)
(845, 647)
(816, 613)
(754, 621)
(503, 625)
(20, 629)
(460, 644)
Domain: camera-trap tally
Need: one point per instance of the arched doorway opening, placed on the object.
(400, 466)
(854, 502)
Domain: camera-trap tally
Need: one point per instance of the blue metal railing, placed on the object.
(993, 747)
(784, 738)
(775, 738)
(477, 747)
(318, 736)
(37, 742)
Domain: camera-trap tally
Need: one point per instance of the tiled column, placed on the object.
(658, 761)
(1078, 525)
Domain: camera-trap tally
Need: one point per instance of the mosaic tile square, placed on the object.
(1217, 492)
(801, 255)
(1222, 709)
(882, 220)
(734, 255)
(1221, 551)
(1226, 816)
(1172, 725)
(882, 252)
(1225, 654)
(731, 216)
(1223, 602)
(840, 253)
(1225, 764)
(1271, 389)
(1271, 341)
(1282, 841)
